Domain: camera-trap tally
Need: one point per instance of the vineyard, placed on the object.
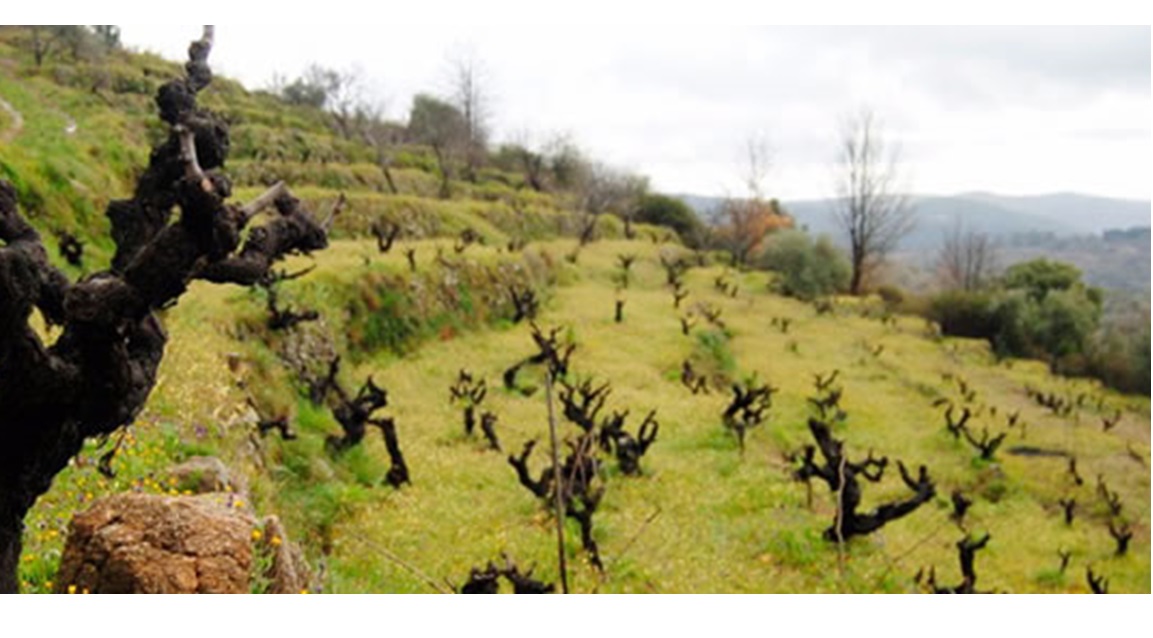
(419, 388)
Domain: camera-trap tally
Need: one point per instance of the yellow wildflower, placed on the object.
(72, 589)
(256, 534)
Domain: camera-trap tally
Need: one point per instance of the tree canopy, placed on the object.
(662, 210)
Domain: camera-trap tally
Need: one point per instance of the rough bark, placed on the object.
(524, 303)
(551, 351)
(967, 549)
(627, 448)
(843, 478)
(747, 409)
(488, 428)
(470, 393)
(355, 414)
(283, 318)
(385, 233)
(581, 491)
(97, 375)
(486, 581)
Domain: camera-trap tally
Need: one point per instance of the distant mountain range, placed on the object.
(1061, 214)
(1064, 226)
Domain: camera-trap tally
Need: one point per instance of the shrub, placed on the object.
(964, 314)
(1010, 325)
(1066, 320)
(1040, 276)
(1121, 361)
(1040, 309)
(661, 210)
(891, 296)
(808, 269)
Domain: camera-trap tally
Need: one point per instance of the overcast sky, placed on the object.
(1004, 109)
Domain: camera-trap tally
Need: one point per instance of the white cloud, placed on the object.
(1013, 110)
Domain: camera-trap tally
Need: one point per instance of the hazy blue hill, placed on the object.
(1108, 239)
(1117, 260)
(1084, 213)
(935, 217)
(1060, 214)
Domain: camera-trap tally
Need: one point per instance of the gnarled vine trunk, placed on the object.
(98, 373)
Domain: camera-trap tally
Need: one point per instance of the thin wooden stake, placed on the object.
(558, 485)
(840, 520)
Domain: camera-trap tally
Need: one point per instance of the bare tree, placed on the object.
(441, 126)
(108, 35)
(77, 40)
(746, 221)
(602, 189)
(382, 136)
(467, 78)
(345, 100)
(968, 259)
(564, 159)
(530, 158)
(340, 92)
(873, 214)
(758, 162)
(41, 43)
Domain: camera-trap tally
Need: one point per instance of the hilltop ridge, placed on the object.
(79, 129)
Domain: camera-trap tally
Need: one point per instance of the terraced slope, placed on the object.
(83, 133)
(702, 517)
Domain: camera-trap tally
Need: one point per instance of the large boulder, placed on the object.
(146, 543)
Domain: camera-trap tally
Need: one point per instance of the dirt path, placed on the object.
(17, 122)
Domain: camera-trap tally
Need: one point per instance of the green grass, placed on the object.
(702, 518)
(717, 509)
(720, 522)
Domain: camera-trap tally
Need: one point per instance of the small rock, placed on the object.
(204, 475)
(288, 572)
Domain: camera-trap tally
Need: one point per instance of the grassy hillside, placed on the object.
(704, 516)
(87, 124)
